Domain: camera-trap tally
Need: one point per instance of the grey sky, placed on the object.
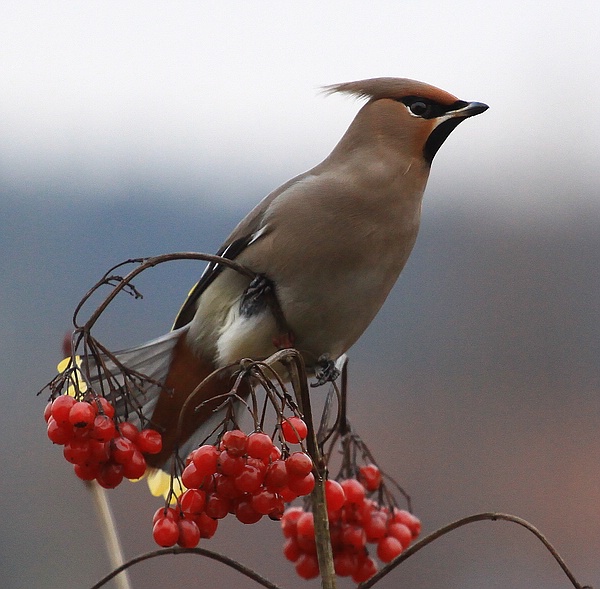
(183, 91)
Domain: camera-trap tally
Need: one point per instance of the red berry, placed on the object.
(207, 525)
(287, 495)
(291, 550)
(302, 485)
(48, 411)
(189, 533)
(305, 525)
(226, 488)
(344, 563)
(275, 454)
(289, 521)
(412, 522)
(135, 467)
(370, 477)
(388, 548)
(264, 502)
(192, 502)
(246, 513)
(191, 477)
(110, 476)
(307, 566)
(366, 569)
(375, 526)
(61, 407)
(230, 465)
(258, 464)
(278, 508)
(87, 472)
(276, 477)
(77, 451)
(205, 459)
(401, 533)
(165, 512)
(259, 445)
(298, 464)
(149, 441)
(103, 429)
(99, 451)
(165, 532)
(334, 494)
(307, 544)
(294, 430)
(249, 480)
(82, 414)
(234, 442)
(354, 537)
(355, 492)
(366, 509)
(81, 433)
(104, 406)
(128, 430)
(121, 449)
(217, 507)
(57, 433)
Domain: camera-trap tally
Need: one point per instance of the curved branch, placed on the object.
(234, 564)
(463, 522)
(146, 263)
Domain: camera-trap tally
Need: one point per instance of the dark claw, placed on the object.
(325, 372)
(259, 296)
(256, 297)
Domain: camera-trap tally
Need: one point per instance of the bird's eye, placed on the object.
(419, 108)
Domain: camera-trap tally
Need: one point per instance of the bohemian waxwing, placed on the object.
(329, 244)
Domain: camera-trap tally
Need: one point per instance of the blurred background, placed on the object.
(138, 128)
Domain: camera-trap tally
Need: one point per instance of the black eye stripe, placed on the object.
(429, 109)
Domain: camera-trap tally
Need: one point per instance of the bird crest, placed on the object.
(394, 88)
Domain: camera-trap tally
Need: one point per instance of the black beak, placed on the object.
(470, 110)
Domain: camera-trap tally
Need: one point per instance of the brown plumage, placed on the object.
(378, 88)
(330, 242)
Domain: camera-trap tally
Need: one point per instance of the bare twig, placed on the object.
(144, 264)
(463, 522)
(244, 570)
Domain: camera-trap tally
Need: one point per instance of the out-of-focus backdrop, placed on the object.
(138, 128)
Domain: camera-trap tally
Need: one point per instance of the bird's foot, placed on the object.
(260, 295)
(325, 371)
(256, 296)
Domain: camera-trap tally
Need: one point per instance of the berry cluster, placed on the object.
(98, 447)
(354, 521)
(243, 475)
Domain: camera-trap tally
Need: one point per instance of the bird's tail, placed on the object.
(166, 399)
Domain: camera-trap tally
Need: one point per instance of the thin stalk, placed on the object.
(319, 503)
(109, 531)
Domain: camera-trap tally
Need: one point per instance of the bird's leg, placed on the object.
(284, 341)
(259, 295)
(325, 371)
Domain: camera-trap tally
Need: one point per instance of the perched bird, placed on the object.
(328, 245)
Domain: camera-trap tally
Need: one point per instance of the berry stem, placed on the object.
(319, 506)
(109, 530)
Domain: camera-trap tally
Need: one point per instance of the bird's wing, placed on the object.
(248, 231)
